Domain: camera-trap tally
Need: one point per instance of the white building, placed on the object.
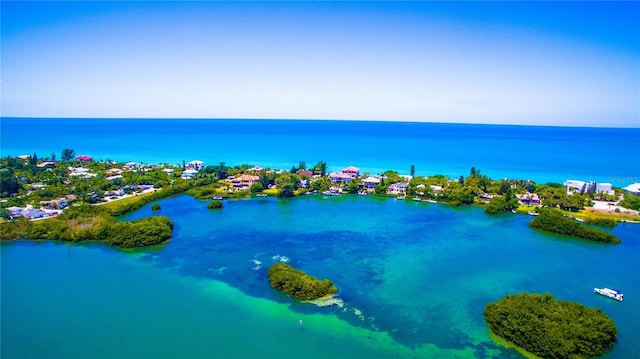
(633, 189)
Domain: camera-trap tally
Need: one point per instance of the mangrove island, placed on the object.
(298, 284)
(550, 328)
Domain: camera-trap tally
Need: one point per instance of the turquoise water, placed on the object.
(542, 154)
(414, 278)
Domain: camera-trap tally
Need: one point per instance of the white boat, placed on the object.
(610, 293)
(534, 213)
(261, 195)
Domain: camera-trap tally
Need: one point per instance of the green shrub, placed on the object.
(215, 204)
(155, 207)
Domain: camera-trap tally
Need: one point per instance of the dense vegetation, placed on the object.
(631, 201)
(501, 204)
(554, 221)
(215, 204)
(604, 222)
(298, 284)
(91, 223)
(551, 328)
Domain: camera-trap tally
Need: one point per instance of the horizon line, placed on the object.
(318, 120)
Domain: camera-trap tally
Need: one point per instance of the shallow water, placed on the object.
(414, 278)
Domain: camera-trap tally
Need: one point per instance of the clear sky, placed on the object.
(545, 63)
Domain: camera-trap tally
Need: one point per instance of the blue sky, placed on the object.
(544, 63)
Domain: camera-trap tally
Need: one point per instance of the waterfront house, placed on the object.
(244, 181)
(340, 177)
(575, 186)
(605, 188)
(531, 199)
(435, 188)
(168, 171)
(397, 188)
(352, 171)
(369, 184)
(188, 174)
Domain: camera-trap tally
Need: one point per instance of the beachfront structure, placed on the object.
(397, 188)
(168, 171)
(531, 199)
(606, 188)
(340, 177)
(244, 181)
(633, 189)
(352, 171)
(435, 188)
(188, 174)
(575, 186)
(195, 165)
(369, 184)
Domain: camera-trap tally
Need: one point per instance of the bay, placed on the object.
(414, 278)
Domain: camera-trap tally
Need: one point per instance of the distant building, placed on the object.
(369, 184)
(188, 174)
(397, 188)
(575, 186)
(195, 165)
(352, 171)
(84, 158)
(633, 189)
(606, 188)
(531, 199)
(244, 181)
(340, 177)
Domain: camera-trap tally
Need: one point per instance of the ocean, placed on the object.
(542, 154)
(414, 277)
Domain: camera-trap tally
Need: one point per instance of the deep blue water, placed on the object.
(542, 154)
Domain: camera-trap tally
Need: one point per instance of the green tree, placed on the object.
(68, 155)
(413, 170)
(320, 168)
(53, 156)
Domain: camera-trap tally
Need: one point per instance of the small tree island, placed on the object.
(554, 221)
(550, 328)
(299, 284)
